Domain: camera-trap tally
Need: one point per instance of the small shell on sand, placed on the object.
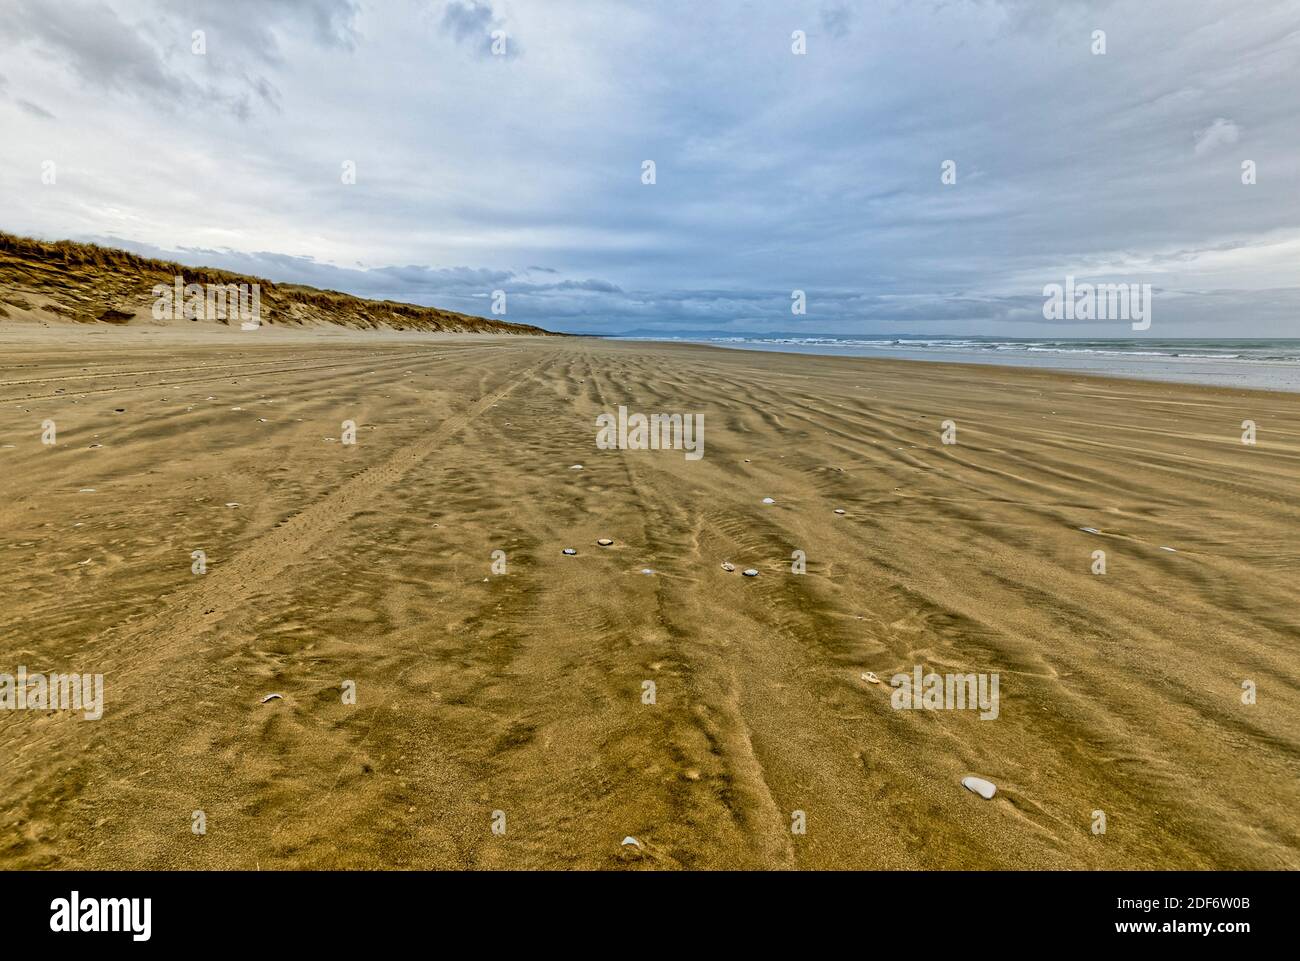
(839, 510)
(750, 572)
(569, 550)
(604, 541)
(576, 467)
(630, 841)
(768, 500)
(985, 789)
(728, 566)
(871, 677)
(1090, 530)
(273, 697)
(1169, 549)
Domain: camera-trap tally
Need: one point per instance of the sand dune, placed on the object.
(57, 284)
(522, 692)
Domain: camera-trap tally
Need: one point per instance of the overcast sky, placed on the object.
(775, 171)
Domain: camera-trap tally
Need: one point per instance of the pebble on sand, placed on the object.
(569, 550)
(750, 572)
(728, 566)
(604, 541)
(985, 789)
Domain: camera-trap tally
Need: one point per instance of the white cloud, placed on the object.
(1218, 134)
(775, 172)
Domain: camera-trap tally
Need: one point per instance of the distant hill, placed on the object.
(88, 284)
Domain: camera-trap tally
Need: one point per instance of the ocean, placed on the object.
(1257, 364)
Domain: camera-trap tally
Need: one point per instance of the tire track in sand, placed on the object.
(717, 714)
(163, 637)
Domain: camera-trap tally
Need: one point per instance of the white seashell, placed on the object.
(631, 841)
(750, 572)
(839, 510)
(569, 550)
(273, 697)
(869, 676)
(985, 789)
(728, 566)
(233, 504)
(768, 500)
(576, 467)
(1169, 549)
(604, 541)
(647, 570)
(1090, 530)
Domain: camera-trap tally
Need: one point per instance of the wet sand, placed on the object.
(522, 692)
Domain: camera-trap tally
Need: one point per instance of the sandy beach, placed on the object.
(517, 700)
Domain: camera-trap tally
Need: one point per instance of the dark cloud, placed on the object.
(596, 306)
(837, 20)
(147, 52)
(35, 110)
(468, 19)
(472, 22)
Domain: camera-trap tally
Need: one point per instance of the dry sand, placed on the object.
(522, 692)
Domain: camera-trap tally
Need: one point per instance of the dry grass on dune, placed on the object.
(85, 283)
